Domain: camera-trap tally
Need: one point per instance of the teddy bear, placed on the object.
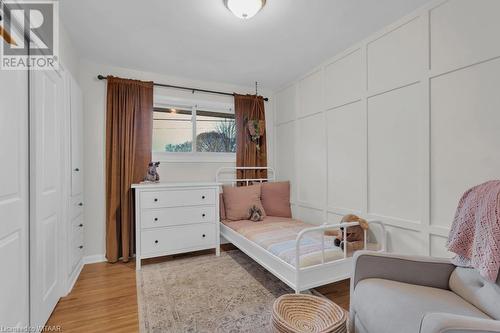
(355, 235)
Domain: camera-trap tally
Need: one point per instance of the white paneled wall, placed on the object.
(344, 80)
(465, 134)
(462, 33)
(398, 126)
(395, 154)
(311, 157)
(285, 156)
(286, 101)
(311, 94)
(397, 57)
(346, 159)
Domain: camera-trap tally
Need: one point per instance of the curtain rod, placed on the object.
(102, 77)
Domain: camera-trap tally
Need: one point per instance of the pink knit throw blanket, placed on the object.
(475, 232)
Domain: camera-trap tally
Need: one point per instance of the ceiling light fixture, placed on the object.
(244, 9)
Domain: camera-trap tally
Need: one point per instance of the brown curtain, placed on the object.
(129, 123)
(249, 109)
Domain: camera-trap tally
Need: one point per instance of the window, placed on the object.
(196, 130)
(172, 130)
(215, 132)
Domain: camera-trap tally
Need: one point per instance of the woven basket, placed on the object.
(307, 313)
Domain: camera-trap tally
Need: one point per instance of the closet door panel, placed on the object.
(76, 139)
(46, 150)
(14, 302)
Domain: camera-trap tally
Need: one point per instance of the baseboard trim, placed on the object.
(75, 276)
(94, 259)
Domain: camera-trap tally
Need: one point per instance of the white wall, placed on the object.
(67, 52)
(94, 140)
(398, 126)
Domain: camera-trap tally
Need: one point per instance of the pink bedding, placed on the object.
(278, 236)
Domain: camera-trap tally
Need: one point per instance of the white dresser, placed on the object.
(175, 218)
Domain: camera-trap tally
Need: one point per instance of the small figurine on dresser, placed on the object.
(152, 175)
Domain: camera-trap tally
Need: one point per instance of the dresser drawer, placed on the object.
(172, 216)
(175, 198)
(179, 238)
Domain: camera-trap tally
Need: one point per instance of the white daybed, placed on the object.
(296, 276)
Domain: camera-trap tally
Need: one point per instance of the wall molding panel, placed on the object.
(399, 113)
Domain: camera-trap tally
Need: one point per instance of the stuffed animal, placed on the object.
(355, 236)
(255, 214)
(152, 175)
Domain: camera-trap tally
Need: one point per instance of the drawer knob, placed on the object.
(80, 225)
(156, 219)
(203, 197)
(80, 247)
(80, 204)
(77, 169)
(203, 215)
(156, 241)
(156, 199)
(203, 235)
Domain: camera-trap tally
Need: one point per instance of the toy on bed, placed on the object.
(355, 235)
(255, 214)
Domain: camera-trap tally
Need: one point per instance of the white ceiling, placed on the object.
(201, 39)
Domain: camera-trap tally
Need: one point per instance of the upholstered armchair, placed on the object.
(406, 294)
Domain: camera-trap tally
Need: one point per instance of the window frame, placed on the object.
(193, 156)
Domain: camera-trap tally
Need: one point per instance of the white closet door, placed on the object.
(14, 302)
(46, 102)
(76, 138)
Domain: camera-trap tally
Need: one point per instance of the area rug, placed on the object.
(230, 293)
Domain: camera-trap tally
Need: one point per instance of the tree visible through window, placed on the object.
(216, 132)
(175, 130)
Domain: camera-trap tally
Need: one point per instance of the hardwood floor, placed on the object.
(337, 292)
(104, 298)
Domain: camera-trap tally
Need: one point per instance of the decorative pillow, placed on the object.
(276, 199)
(222, 208)
(239, 200)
